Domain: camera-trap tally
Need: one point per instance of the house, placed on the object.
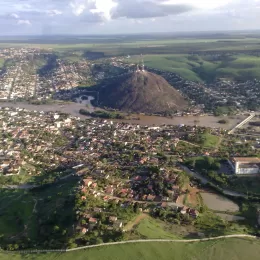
(84, 231)
(163, 205)
(118, 225)
(112, 219)
(165, 198)
(92, 220)
(94, 185)
(150, 197)
(183, 210)
(109, 190)
(106, 198)
(87, 182)
(83, 189)
(97, 210)
(193, 213)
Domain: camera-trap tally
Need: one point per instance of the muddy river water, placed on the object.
(73, 109)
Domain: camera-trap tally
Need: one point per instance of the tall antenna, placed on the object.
(138, 65)
(142, 63)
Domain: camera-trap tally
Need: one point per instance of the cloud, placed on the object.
(121, 16)
(54, 12)
(92, 17)
(15, 16)
(24, 22)
(79, 6)
(147, 9)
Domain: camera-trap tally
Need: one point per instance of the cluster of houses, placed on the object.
(28, 141)
(22, 80)
(34, 140)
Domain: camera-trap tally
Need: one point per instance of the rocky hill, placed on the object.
(142, 92)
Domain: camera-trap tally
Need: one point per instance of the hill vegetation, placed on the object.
(143, 92)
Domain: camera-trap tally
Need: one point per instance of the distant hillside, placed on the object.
(142, 92)
(206, 67)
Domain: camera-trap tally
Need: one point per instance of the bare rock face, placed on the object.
(142, 92)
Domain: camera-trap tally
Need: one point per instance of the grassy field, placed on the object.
(209, 140)
(235, 249)
(152, 229)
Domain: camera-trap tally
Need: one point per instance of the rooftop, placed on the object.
(246, 159)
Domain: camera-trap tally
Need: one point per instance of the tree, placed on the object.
(99, 241)
(72, 245)
(56, 228)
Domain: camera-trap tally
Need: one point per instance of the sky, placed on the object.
(49, 17)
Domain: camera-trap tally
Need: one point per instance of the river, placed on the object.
(73, 109)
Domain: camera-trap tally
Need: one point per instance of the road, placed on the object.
(206, 181)
(135, 241)
(242, 123)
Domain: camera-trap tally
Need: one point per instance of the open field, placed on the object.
(150, 228)
(204, 58)
(209, 140)
(235, 249)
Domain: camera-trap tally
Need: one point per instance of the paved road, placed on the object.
(206, 181)
(136, 241)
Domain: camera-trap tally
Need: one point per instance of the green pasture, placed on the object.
(150, 228)
(235, 249)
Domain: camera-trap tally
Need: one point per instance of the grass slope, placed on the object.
(235, 249)
(152, 229)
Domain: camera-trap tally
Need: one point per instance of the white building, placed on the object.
(245, 165)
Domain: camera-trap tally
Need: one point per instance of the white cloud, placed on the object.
(78, 7)
(86, 16)
(15, 16)
(23, 22)
(104, 7)
(54, 12)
